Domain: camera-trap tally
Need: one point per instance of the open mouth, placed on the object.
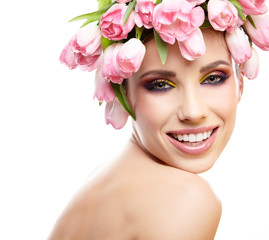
(193, 139)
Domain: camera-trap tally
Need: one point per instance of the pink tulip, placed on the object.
(144, 13)
(130, 56)
(103, 90)
(112, 23)
(176, 20)
(110, 67)
(115, 114)
(68, 57)
(194, 46)
(89, 63)
(87, 40)
(250, 68)
(84, 49)
(259, 36)
(253, 7)
(238, 45)
(222, 15)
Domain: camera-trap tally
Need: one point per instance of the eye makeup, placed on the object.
(214, 78)
(159, 85)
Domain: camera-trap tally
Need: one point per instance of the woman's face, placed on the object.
(185, 110)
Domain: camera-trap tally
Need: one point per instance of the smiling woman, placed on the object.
(182, 88)
(192, 104)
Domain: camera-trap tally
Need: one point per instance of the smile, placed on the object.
(193, 141)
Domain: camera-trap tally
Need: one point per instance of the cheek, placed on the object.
(224, 103)
(153, 111)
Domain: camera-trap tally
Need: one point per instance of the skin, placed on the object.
(188, 105)
(152, 192)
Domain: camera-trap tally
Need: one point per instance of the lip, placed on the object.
(201, 148)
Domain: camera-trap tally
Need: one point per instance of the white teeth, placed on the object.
(180, 137)
(193, 138)
(199, 137)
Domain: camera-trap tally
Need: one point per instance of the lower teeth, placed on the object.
(193, 143)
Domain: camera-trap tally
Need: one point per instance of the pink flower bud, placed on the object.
(130, 56)
(250, 68)
(253, 7)
(68, 57)
(121, 60)
(112, 23)
(84, 49)
(194, 46)
(103, 90)
(222, 15)
(87, 40)
(115, 114)
(259, 36)
(144, 13)
(238, 45)
(110, 67)
(177, 19)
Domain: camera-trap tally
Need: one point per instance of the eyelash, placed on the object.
(215, 78)
(164, 85)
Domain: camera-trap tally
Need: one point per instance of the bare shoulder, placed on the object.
(183, 207)
(72, 222)
(95, 212)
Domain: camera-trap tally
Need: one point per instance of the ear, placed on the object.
(240, 79)
(241, 86)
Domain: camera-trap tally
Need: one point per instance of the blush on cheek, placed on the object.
(225, 106)
(155, 108)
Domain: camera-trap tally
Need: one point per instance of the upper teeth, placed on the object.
(193, 137)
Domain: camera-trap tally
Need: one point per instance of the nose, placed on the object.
(192, 107)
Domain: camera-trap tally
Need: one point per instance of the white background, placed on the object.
(53, 135)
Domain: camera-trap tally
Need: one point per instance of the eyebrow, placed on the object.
(213, 64)
(159, 72)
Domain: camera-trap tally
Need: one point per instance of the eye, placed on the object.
(214, 78)
(159, 85)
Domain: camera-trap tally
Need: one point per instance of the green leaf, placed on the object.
(106, 43)
(138, 31)
(158, 1)
(236, 4)
(93, 16)
(130, 8)
(251, 21)
(241, 15)
(100, 104)
(103, 3)
(119, 92)
(161, 46)
(239, 9)
(86, 23)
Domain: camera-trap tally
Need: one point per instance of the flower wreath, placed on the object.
(114, 46)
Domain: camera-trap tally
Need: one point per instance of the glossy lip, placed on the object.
(201, 148)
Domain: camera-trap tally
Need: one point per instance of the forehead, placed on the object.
(216, 50)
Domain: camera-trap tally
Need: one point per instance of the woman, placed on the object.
(183, 107)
